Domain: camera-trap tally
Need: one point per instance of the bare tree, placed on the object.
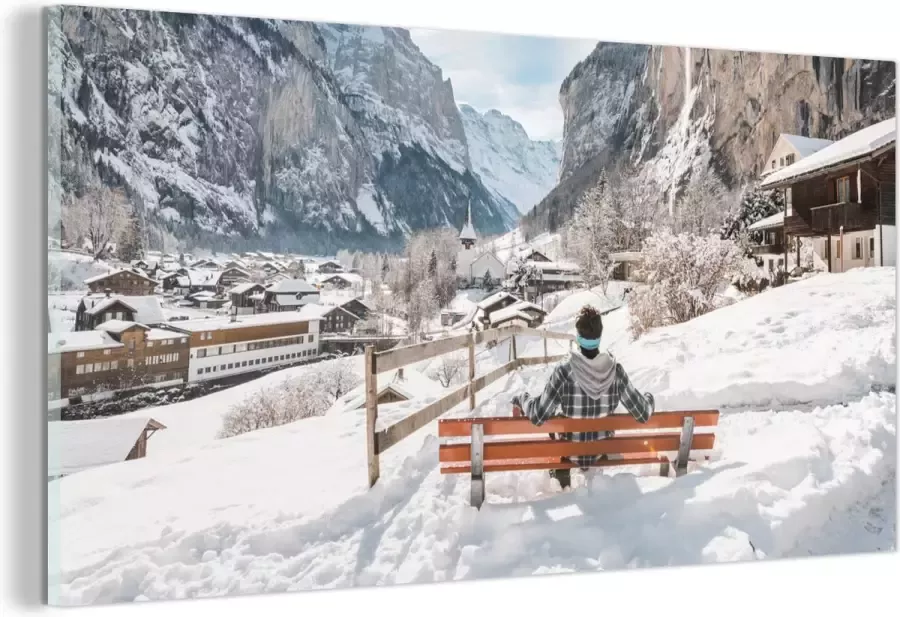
(705, 204)
(336, 378)
(449, 369)
(591, 235)
(287, 402)
(100, 215)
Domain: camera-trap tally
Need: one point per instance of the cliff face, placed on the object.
(668, 112)
(253, 132)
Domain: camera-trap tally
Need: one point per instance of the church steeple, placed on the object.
(467, 234)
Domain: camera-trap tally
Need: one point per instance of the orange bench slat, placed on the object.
(462, 427)
(548, 463)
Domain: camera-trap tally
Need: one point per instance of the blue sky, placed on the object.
(518, 75)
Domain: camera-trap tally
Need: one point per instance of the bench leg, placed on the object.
(664, 468)
(477, 483)
(684, 446)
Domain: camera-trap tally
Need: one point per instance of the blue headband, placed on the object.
(588, 343)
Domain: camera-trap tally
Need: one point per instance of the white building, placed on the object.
(791, 148)
(472, 266)
(224, 346)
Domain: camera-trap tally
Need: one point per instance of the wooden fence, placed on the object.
(378, 442)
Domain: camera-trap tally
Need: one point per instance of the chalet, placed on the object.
(225, 346)
(495, 302)
(843, 198)
(118, 355)
(789, 149)
(246, 297)
(450, 317)
(95, 309)
(532, 254)
(128, 282)
(333, 318)
(186, 281)
(206, 264)
(85, 444)
(231, 276)
(289, 295)
(552, 276)
(340, 281)
(521, 313)
(769, 249)
(271, 268)
(206, 300)
(330, 267)
(357, 307)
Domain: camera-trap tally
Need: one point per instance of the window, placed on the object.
(106, 352)
(175, 357)
(781, 162)
(149, 343)
(207, 369)
(214, 369)
(843, 189)
(781, 262)
(184, 340)
(282, 358)
(871, 247)
(130, 363)
(231, 366)
(771, 265)
(79, 370)
(789, 159)
(773, 163)
(222, 367)
(114, 365)
(857, 249)
(98, 366)
(105, 366)
(80, 354)
(788, 201)
(88, 368)
(310, 339)
(199, 371)
(244, 363)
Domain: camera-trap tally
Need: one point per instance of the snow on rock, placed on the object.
(289, 508)
(507, 160)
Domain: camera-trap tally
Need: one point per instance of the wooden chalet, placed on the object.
(95, 309)
(846, 194)
(246, 298)
(495, 302)
(289, 295)
(330, 267)
(132, 282)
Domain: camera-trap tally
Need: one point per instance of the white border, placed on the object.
(848, 585)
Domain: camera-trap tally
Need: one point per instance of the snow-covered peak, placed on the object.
(509, 162)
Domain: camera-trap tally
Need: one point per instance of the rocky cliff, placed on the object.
(669, 112)
(236, 132)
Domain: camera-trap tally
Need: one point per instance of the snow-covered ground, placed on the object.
(804, 375)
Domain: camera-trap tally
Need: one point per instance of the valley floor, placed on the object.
(804, 376)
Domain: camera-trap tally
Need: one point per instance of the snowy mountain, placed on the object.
(806, 465)
(509, 162)
(261, 133)
(673, 112)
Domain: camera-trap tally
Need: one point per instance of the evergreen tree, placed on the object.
(130, 246)
(432, 264)
(756, 204)
(487, 281)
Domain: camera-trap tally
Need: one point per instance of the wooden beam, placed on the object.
(546, 448)
(461, 427)
(554, 463)
(371, 414)
(410, 424)
(540, 360)
(472, 372)
(401, 356)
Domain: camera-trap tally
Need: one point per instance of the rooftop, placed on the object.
(770, 222)
(855, 146)
(243, 321)
(59, 342)
(82, 444)
(118, 326)
(135, 272)
(806, 145)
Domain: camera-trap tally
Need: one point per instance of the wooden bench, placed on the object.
(668, 433)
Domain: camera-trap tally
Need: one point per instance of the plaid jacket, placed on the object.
(562, 392)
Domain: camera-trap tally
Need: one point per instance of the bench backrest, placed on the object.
(664, 433)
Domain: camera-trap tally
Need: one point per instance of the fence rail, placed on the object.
(378, 442)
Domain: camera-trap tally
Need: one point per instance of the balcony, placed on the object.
(768, 249)
(852, 216)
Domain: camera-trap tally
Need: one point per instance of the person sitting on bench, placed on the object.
(589, 384)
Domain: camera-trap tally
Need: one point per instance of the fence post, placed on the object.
(471, 371)
(371, 414)
(545, 350)
(512, 347)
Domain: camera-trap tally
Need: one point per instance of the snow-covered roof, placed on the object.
(59, 342)
(519, 308)
(858, 145)
(204, 277)
(159, 334)
(806, 145)
(467, 232)
(135, 272)
(770, 222)
(413, 385)
(242, 321)
(292, 300)
(291, 286)
(147, 309)
(553, 265)
(506, 316)
(241, 288)
(494, 299)
(81, 444)
(119, 325)
(319, 311)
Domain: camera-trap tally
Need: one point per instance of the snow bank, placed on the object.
(824, 339)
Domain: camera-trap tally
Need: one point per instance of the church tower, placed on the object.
(467, 234)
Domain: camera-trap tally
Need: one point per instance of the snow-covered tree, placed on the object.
(755, 205)
(131, 246)
(590, 234)
(487, 281)
(336, 378)
(684, 274)
(706, 202)
(289, 401)
(100, 216)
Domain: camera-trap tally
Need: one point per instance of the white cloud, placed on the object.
(518, 75)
